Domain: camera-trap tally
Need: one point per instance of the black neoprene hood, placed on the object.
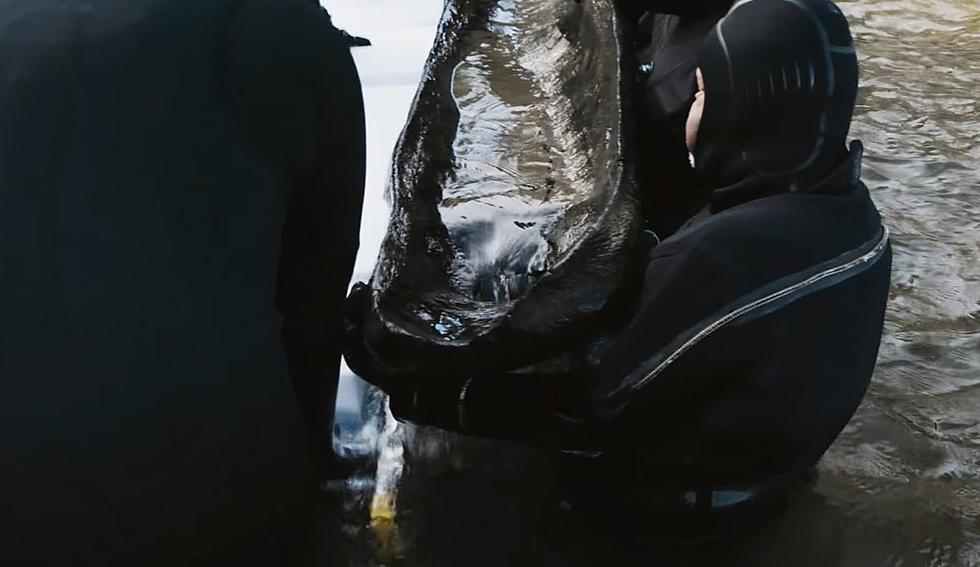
(780, 86)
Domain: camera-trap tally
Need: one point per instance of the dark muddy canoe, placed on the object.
(511, 191)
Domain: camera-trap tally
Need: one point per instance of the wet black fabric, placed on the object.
(169, 172)
(668, 38)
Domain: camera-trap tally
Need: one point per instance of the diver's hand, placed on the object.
(355, 350)
(536, 410)
(356, 304)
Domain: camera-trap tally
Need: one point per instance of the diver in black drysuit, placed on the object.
(759, 321)
(667, 35)
(180, 189)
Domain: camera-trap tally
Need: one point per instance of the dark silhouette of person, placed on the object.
(180, 198)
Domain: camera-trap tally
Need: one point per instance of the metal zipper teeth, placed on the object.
(871, 255)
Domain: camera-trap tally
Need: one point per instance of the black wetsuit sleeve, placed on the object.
(298, 94)
(320, 236)
(684, 284)
(320, 241)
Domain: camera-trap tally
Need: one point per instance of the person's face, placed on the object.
(694, 116)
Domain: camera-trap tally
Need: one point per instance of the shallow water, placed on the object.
(907, 470)
(902, 484)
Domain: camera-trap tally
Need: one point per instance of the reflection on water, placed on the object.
(511, 183)
(902, 485)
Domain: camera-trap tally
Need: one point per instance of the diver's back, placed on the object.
(791, 354)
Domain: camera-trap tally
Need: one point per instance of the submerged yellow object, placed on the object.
(383, 507)
(390, 544)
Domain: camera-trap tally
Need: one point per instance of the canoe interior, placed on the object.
(511, 188)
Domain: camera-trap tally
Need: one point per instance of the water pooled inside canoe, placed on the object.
(513, 180)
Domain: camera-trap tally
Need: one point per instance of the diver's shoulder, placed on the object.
(795, 229)
(295, 32)
(796, 212)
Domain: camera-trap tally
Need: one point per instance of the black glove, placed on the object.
(359, 357)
